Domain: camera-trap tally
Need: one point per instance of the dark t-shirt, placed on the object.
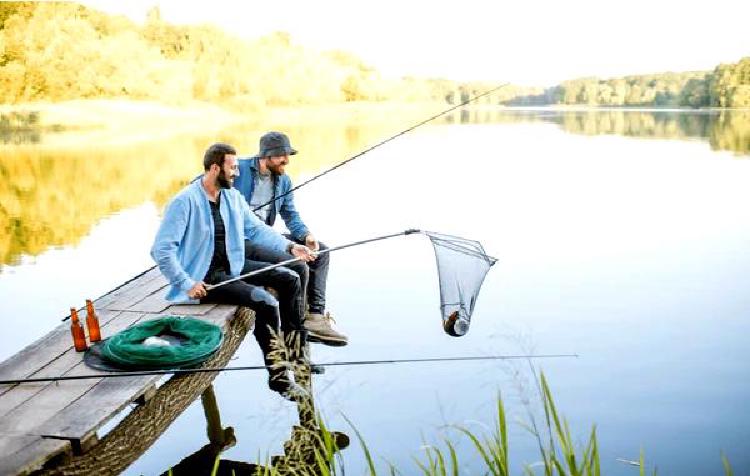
(219, 267)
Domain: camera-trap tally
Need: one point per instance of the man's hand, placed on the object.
(311, 242)
(197, 291)
(302, 252)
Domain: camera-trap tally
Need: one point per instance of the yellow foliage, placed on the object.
(59, 50)
(54, 196)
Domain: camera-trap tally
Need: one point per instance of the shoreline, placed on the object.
(116, 122)
(108, 113)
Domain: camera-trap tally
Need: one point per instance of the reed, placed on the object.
(560, 455)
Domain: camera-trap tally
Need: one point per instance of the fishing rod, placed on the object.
(399, 134)
(316, 253)
(409, 129)
(146, 373)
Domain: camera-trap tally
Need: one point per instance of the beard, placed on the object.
(276, 169)
(223, 181)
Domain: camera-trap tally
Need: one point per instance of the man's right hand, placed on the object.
(302, 252)
(198, 290)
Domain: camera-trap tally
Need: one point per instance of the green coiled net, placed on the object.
(165, 343)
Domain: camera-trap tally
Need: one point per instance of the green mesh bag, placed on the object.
(185, 342)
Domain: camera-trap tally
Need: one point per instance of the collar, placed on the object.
(198, 183)
(254, 163)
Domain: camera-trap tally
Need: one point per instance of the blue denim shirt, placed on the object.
(245, 183)
(184, 244)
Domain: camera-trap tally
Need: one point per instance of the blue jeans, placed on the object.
(313, 275)
(271, 315)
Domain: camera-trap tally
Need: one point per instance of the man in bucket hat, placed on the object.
(260, 181)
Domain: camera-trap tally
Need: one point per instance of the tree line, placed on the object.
(728, 85)
(54, 51)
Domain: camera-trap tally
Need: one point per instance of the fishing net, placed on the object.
(462, 265)
(165, 343)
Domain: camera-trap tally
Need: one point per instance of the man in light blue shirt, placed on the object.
(202, 240)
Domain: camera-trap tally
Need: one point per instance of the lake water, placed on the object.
(621, 236)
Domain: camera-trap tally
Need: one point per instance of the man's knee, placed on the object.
(288, 278)
(300, 268)
(323, 258)
(261, 297)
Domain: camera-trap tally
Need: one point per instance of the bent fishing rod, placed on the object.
(331, 169)
(369, 149)
(146, 373)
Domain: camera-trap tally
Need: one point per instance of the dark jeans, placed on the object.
(313, 275)
(285, 313)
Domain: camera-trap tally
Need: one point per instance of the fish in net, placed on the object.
(462, 266)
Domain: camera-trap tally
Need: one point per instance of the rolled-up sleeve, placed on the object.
(291, 218)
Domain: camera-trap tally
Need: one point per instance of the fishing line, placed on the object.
(317, 253)
(297, 187)
(461, 265)
(263, 367)
(399, 134)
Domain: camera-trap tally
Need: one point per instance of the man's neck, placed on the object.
(211, 187)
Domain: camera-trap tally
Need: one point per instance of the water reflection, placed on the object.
(631, 253)
(308, 445)
(724, 130)
(20, 127)
(120, 447)
(51, 196)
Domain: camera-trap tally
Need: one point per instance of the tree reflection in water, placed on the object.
(310, 449)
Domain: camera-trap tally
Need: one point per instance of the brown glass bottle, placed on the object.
(92, 322)
(79, 338)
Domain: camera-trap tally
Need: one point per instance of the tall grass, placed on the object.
(560, 455)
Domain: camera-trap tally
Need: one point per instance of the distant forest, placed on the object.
(56, 51)
(728, 85)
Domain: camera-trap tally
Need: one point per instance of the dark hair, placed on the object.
(215, 154)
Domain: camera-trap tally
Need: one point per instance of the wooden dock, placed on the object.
(52, 425)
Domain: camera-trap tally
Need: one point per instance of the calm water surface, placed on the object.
(623, 237)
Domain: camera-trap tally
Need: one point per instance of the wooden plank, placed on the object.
(105, 300)
(39, 354)
(11, 444)
(70, 362)
(126, 301)
(22, 455)
(56, 342)
(147, 395)
(153, 303)
(143, 289)
(220, 315)
(190, 309)
(96, 407)
(108, 397)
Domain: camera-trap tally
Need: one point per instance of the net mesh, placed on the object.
(462, 266)
(187, 342)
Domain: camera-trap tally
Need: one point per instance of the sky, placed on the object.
(524, 42)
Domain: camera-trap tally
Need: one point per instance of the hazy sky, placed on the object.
(530, 41)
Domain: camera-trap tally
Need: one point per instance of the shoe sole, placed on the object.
(326, 340)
